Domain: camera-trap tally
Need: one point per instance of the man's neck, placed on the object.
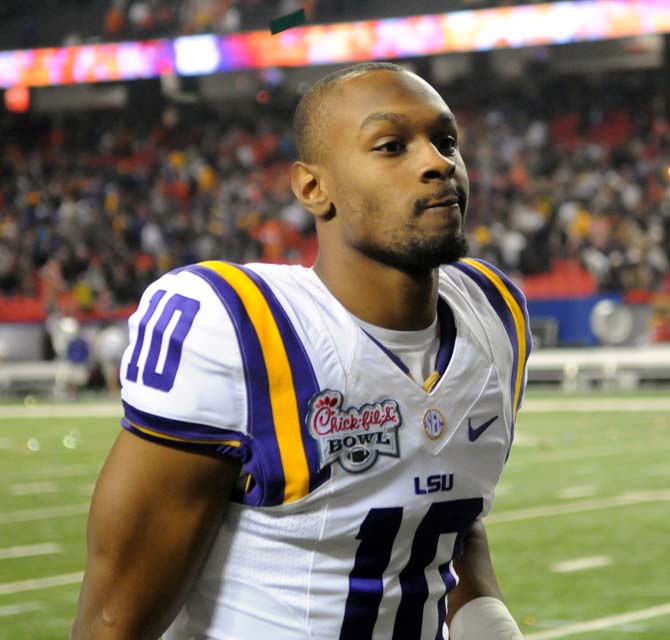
(381, 295)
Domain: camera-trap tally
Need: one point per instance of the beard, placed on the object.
(411, 250)
(417, 254)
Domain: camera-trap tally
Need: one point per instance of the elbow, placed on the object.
(102, 614)
(101, 624)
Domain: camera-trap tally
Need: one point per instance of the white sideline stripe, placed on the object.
(524, 440)
(25, 551)
(7, 588)
(577, 507)
(580, 491)
(29, 488)
(602, 623)
(15, 609)
(600, 405)
(581, 564)
(28, 515)
(62, 471)
(103, 410)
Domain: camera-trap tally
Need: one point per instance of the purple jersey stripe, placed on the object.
(178, 270)
(212, 448)
(449, 582)
(179, 430)
(305, 382)
(392, 356)
(264, 464)
(447, 336)
(500, 306)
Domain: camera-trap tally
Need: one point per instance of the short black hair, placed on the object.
(308, 121)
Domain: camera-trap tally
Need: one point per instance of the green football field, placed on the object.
(580, 532)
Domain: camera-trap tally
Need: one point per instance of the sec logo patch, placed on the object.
(434, 423)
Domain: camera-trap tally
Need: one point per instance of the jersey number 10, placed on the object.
(170, 355)
(377, 535)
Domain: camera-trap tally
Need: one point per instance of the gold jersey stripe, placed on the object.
(282, 391)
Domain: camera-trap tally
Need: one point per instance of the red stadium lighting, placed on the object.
(17, 99)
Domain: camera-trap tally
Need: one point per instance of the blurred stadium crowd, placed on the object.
(98, 205)
(94, 206)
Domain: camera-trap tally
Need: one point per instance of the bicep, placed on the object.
(153, 517)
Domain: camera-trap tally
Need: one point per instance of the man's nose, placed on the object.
(436, 166)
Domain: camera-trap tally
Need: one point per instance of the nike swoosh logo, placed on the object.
(474, 433)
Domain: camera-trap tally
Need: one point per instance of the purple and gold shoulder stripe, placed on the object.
(191, 436)
(510, 304)
(282, 457)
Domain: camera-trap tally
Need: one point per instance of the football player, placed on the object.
(309, 453)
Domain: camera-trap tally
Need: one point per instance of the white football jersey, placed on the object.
(357, 481)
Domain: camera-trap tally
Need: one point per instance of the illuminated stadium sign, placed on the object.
(519, 26)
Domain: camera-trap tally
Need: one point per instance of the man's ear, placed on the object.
(309, 187)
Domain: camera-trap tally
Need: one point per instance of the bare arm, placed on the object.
(154, 515)
(475, 571)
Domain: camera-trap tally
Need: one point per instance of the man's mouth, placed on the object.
(449, 201)
(443, 201)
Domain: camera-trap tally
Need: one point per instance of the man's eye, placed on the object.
(392, 146)
(446, 143)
